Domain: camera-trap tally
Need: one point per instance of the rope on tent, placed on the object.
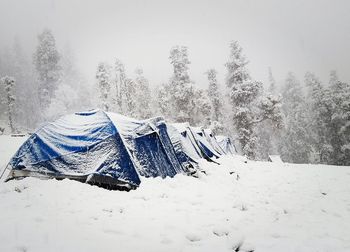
(3, 172)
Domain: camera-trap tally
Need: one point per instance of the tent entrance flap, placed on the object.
(152, 158)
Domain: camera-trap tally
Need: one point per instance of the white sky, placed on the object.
(290, 35)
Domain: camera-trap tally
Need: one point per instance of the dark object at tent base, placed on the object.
(93, 179)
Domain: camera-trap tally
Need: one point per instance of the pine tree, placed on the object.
(295, 144)
(9, 86)
(73, 83)
(120, 87)
(318, 109)
(180, 89)
(103, 81)
(201, 107)
(214, 95)
(249, 109)
(164, 101)
(237, 72)
(272, 83)
(269, 129)
(46, 60)
(339, 127)
(243, 97)
(130, 98)
(142, 95)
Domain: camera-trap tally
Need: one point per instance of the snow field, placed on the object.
(237, 206)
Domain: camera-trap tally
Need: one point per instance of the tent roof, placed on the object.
(76, 146)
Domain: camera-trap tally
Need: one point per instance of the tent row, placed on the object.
(115, 151)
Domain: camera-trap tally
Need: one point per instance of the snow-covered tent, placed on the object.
(206, 148)
(226, 144)
(149, 145)
(186, 149)
(187, 139)
(275, 159)
(99, 148)
(213, 141)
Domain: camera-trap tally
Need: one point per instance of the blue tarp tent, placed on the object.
(186, 151)
(226, 144)
(207, 149)
(98, 148)
(182, 137)
(83, 146)
(149, 144)
(213, 141)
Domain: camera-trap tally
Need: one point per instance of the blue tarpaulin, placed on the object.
(149, 144)
(98, 147)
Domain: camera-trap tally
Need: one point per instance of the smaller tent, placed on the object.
(226, 144)
(185, 150)
(206, 148)
(275, 159)
(187, 139)
(149, 144)
(213, 141)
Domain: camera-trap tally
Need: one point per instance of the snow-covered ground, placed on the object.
(254, 206)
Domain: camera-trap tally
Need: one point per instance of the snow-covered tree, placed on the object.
(142, 95)
(46, 60)
(17, 64)
(164, 100)
(180, 87)
(120, 87)
(249, 109)
(9, 86)
(130, 98)
(214, 95)
(319, 115)
(237, 71)
(339, 126)
(272, 83)
(74, 82)
(243, 97)
(294, 146)
(269, 129)
(65, 101)
(201, 108)
(104, 84)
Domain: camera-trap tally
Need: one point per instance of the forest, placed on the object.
(302, 120)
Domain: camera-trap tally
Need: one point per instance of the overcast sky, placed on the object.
(290, 35)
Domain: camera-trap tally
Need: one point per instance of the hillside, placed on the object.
(236, 206)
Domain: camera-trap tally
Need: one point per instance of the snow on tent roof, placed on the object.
(212, 140)
(206, 148)
(99, 148)
(183, 147)
(191, 146)
(275, 158)
(226, 144)
(82, 146)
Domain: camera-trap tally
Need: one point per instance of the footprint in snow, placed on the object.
(243, 208)
(221, 232)
(240, 247)
(193, 237)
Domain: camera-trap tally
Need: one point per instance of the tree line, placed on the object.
(304, 122)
